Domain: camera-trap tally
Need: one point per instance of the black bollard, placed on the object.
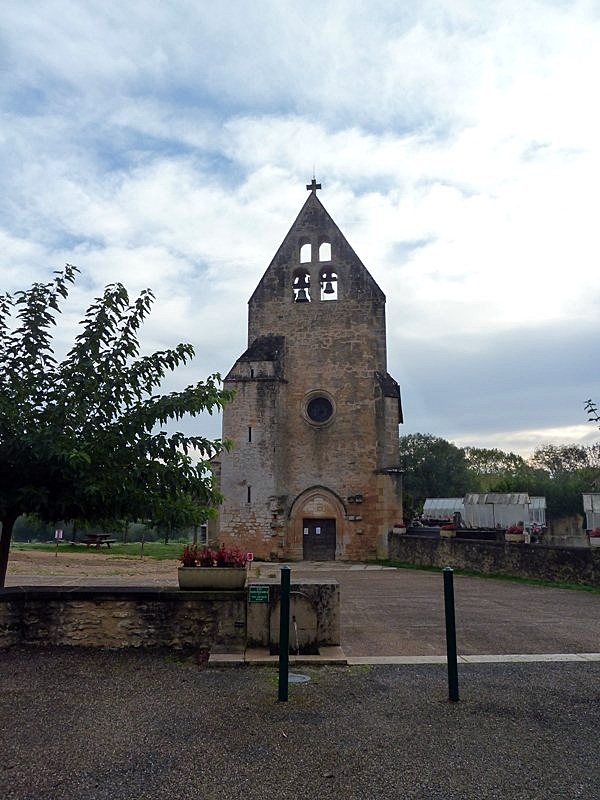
(284, 634)
(450, 634)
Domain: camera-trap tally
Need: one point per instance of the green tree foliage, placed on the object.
(565, 459)
(489, 466)
(436, 468)
(433, 467)
(177, 513)
(562, 493)
(560, 473)
(85, 438)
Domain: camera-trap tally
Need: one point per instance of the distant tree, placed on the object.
(31, 527)
(487, 467)
(563, 459)
(85, 438)
(562, 492)
(560, 473)
(433, 467)
(177, 513)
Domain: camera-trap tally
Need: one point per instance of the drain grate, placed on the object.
(295, 677)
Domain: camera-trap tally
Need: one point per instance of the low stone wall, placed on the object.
(567, 532)
(569, 564)
(117, 617)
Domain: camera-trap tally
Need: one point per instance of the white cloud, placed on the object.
(524, 442)
(458, 144)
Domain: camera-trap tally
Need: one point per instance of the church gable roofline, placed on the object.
(315, 226)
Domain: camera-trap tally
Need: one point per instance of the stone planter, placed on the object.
(447, 534)
(514, 537)
(211, 578)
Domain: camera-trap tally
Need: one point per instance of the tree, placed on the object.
(178, 512)
(433, 467)
(86, 438)
(488, 466)
(592, 411)
(563, 459)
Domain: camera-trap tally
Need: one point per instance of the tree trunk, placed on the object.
(8, 523)
(195, 542)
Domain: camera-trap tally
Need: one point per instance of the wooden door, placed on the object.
(318, 539)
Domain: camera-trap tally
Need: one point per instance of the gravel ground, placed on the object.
(94, 725)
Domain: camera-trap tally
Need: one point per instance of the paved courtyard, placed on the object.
(386, 611)
(401, 612)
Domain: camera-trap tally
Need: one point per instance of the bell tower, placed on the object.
(314, 470)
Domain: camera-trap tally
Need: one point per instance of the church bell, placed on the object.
(328, 288)
(301, 284)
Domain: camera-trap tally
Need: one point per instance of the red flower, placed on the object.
(223, 557)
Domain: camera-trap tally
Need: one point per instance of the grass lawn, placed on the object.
(157, 550)
(497, 576)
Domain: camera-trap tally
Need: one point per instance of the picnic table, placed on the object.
(98, 539)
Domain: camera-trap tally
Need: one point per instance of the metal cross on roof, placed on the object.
(313, 186)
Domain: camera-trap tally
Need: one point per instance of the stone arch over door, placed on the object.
(315, 503)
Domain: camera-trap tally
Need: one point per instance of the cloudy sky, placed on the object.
(168, 145)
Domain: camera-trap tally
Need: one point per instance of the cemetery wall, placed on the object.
(545, 562)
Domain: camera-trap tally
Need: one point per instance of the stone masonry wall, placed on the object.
(249, 465)
(323, 598)
(568, 564)
(121, 617)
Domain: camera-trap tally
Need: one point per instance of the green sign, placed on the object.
(258, 594)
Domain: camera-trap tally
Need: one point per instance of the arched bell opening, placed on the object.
(305, 252)
(301, 286)
(325, 251)
(328, 281)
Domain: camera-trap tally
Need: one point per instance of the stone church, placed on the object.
(314, 469)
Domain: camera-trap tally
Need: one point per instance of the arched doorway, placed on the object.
(317, 525)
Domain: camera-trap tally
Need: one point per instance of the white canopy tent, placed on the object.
(495, 510)
(591, 506)
(443, 507)
(490, 510)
